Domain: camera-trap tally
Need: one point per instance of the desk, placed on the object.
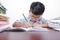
(42, 35)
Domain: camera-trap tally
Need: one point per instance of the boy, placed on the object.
(35, 17)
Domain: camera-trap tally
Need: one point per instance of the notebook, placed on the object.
(30, 28)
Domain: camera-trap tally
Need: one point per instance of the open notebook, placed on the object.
(25, 29)
(30, 28)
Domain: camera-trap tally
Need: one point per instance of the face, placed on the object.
(33, 17)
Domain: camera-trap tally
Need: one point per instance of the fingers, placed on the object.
(27, 25)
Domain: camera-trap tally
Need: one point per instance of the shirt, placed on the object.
(40, 21)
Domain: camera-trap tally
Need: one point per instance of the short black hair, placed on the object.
(37, 8)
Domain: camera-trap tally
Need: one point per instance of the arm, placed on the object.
(42, 25)
(26, 25)
(16, 24)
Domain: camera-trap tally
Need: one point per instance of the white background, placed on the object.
(15, 8)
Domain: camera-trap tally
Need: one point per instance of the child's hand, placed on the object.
(36, 25)
(27, 25)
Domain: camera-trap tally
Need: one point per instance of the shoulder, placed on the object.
(42, 20)
(22, 20)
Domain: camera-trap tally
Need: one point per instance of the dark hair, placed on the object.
(37, 8)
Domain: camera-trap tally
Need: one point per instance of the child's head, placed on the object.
(36, 10)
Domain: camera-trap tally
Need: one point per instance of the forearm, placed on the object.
(43, 25)
(26, 25)
(17, 25)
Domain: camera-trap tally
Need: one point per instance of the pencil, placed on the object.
(25, 17)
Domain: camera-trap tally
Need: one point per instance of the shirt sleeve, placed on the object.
(43, 21)
(21, 21)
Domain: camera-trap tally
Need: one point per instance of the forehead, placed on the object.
(33, 14)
